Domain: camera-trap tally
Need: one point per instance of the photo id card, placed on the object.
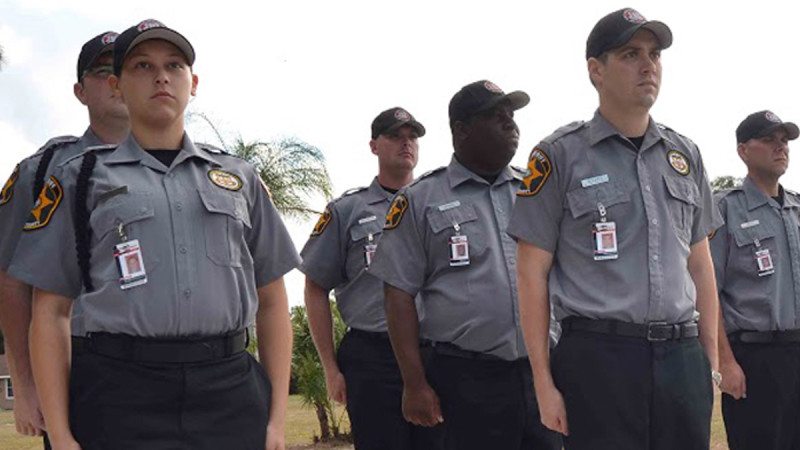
(604, 235)
(459, 251)
(369, 252)
(764, 261)
(130, 264)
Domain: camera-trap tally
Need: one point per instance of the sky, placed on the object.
(322, 70)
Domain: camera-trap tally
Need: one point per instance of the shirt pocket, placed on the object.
(123, 219)
(682, 202)
(359, 238)
(224, 221)
(748, 242)
(442, 224)
(582, 201)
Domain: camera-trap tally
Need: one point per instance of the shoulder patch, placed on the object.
(210, 148)
(322, 223)
(396, 211)
(679, 162)
(565, 130)
(354, 191)
(8, 188)
(45, 205)
(539, 169)
(57, 142)
(225, 180)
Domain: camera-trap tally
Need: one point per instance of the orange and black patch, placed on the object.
(8, 188)
(396, 211)
(45, 206)
(539, 169)
(322, 223)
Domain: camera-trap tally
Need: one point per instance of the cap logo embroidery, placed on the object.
(225, 180)
(148, 24)
(402, 115)
(8, 188)
(679, 162)
(109, 38)
(539, 169)
(396, 211)
(45, 206)
(772, 117)
(633, 16)
(491, 87)
(322, 223)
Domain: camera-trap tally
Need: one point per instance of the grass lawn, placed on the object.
(301, 427)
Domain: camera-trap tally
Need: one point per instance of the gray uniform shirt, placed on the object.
(658, 197)
(209, 236)
(472, 306)
(334, 256)
(17, 197)
(754, 222)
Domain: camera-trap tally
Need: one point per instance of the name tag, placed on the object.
(593, 181)
(750, 224)
(366, 220)
(450, 205)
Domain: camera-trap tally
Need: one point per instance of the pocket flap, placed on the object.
(683, 189)
(128, 210)
(361, 230)
(747, 236)
(222, 203)
(440, 220)
(584, 200)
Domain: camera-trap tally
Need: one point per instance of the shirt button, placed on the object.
(655, 257)
(182, 249)
(179, 206)
(143, 209)
(655, 221)
(647, 187)
(187, 292)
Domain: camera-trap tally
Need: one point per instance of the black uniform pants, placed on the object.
(122, 405)
(769, 418)
(626, 393)
(374, 397)
(489, 404)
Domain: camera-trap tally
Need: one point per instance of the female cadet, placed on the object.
(170, 251)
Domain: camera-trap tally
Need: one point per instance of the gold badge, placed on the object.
(679, 162)
(322, 223)
(396, 210)
(225, 180)
(539, 169)
(8, 188)
(45, 206)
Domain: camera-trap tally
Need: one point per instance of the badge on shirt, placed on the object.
(764, 261)
(322, 223)
(678, 162)
(396, 211)
(8, 188)
(225, 180)
(539, 169)
(130, 264)
(45, 205)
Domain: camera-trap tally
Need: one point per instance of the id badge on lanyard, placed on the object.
(130, 264)
(763, 260)
(604, 237)
(369, 250)
(459, 248)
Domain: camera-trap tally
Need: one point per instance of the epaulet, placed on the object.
(663, 127)
(426, 175)
(211, 149)
(57, 142)
(354, 191)
(91, 148)
(518, 172)
(565, 130)
(791, 192)
(726, 192)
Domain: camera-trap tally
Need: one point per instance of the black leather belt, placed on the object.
(377, 335)
(157, 350)
(448, 349)
(765, 337)
(652, 331)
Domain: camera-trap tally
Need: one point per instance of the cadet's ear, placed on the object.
(373, 146)
(460, 130)
(77, 89)
(594, 65)
(741, 149)
(195, 80)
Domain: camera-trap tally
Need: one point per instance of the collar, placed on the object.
(755, 198)
(89, 139)
(458, 174)
(129, 151)
(376, 193)
(601, 129)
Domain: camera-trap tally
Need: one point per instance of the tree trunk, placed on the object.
(324, 426)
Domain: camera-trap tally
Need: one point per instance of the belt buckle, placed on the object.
(652, 326)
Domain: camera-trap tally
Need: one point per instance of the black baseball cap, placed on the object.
(93, 48)
(144, 31)
(482, 96)
(762, 123)
(616, 29)
(394, 118)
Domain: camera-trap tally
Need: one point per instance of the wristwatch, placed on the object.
(716, 377)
